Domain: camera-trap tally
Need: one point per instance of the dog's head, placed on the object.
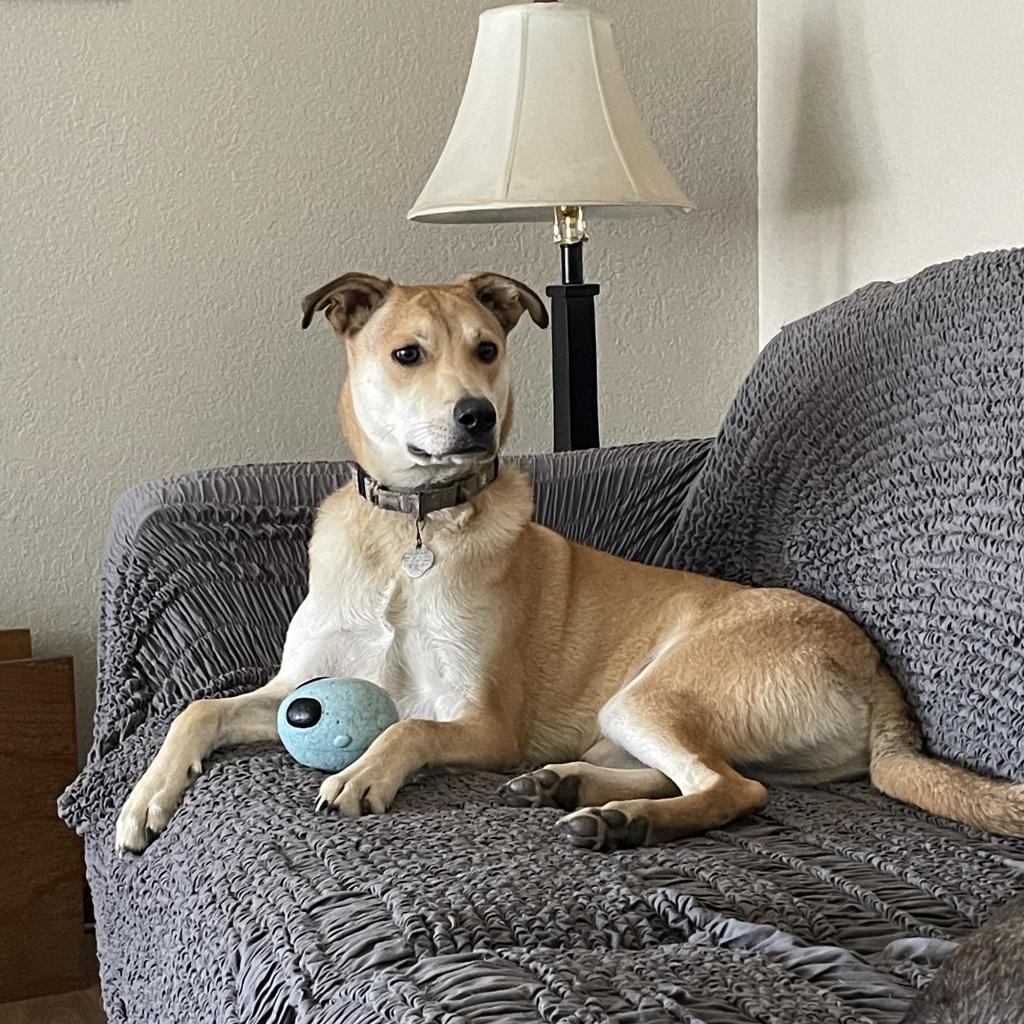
(427, 395)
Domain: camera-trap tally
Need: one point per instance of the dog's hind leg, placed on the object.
(658, 720)
(619, 824)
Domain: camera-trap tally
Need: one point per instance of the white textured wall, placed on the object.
(175, 175)
(891, 137)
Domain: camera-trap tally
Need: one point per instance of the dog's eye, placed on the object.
(408, 355)
(487, 351)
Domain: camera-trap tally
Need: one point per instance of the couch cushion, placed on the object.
(832, 904)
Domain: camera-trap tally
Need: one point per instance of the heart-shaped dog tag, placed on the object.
(417, 560)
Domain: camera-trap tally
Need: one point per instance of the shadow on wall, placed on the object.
(834, 159)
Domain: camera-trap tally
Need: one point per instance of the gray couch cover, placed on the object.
(833, 904)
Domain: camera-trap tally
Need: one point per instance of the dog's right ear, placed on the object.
(347, 301)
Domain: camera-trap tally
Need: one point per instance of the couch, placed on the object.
(874, 458)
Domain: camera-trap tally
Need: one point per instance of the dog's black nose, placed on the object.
(475, 415)
(304, 713)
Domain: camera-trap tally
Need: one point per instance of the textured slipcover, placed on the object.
(833, 904)
(874, 458)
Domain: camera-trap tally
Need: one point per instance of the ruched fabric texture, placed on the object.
(874, 459)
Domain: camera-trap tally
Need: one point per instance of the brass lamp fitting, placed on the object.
(570, 225)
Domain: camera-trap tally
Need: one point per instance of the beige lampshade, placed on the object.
(546, 119)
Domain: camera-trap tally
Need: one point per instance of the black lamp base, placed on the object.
(574, 355)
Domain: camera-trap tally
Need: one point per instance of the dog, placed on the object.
(656, 702)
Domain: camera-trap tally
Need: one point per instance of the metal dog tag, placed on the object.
(417, 560)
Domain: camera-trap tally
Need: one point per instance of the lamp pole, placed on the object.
(573, 339)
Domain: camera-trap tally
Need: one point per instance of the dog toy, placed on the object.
(328, 723)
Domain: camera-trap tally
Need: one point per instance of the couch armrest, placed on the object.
(201, 576)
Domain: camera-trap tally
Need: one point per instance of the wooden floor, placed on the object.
(83, 1007)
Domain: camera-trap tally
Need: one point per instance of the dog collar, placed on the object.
(421, 503)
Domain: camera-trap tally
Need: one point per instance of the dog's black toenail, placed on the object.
(546, 777)
(523, 785)
(613, 819)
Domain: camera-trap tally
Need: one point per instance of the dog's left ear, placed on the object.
(506, 298)
(348, 301)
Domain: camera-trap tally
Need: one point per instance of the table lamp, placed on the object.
(547, 128)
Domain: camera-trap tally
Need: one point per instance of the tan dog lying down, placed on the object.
(657, 700)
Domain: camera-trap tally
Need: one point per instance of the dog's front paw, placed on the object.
(149, 807)
(366, 787)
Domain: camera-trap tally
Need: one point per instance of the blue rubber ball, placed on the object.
(328, 723)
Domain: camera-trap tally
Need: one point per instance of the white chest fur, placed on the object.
(430, 655)
(426, 641)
